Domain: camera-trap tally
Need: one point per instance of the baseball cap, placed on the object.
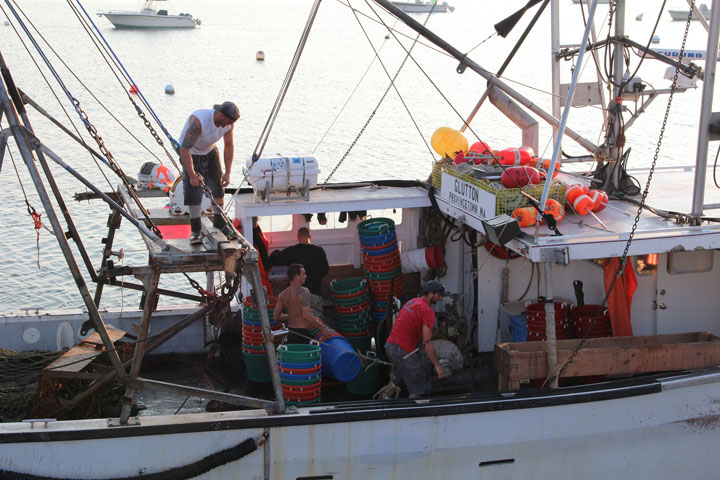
(433, 286)
(229, 109)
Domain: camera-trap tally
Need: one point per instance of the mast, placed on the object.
(706, 113)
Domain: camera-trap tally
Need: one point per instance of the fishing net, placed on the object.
(19, 374)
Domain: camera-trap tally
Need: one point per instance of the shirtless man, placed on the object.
(293, 308)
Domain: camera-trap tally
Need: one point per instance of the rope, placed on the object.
(387, 90)
(110, 160)
(47, 82)
(190, 470)
(286, 84)
(118, 63)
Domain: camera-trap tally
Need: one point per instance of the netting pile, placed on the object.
(19, 372)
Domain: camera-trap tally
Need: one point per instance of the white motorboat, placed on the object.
(420, 6)
(150, 16)
(640, 398)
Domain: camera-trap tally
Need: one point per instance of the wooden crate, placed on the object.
(520, 361)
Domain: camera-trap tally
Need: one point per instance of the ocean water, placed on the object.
(335, 89)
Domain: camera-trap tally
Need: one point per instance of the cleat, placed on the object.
(195, 238)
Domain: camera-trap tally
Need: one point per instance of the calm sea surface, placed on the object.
(217, 62)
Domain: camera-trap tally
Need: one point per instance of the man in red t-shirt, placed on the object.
(414, 323)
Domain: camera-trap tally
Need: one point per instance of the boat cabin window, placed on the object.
(328, 221)
(276, 223)
(646, 264)
(395, 214)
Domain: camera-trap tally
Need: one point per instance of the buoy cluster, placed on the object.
(584, 200)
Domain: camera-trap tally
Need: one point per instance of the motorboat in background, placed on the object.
(681, 15)
(150, 17)
(418, 6)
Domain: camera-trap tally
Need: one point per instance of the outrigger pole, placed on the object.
(466, 62)
(10, 109)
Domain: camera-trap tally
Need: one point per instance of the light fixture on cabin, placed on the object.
(501, 229)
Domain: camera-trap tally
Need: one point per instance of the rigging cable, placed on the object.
(110, 160)
(173, 142)
(286, 84)
(62, 107)
(382, 98)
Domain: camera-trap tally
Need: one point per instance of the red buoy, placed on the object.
(515, 156)
(518, 177)
(133, 89)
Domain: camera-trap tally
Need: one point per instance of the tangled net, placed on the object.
(19, 374)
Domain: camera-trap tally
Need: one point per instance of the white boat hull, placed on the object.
(148, 20)
(412, 7)
(653, 430)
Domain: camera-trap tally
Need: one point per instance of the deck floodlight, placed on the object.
(501, 229)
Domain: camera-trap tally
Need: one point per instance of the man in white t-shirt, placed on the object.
(201, 162)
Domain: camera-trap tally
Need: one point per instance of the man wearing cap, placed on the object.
(201, 162)
(404, 347)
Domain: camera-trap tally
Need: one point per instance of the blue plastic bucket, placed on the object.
(518, 328)
(339, 359)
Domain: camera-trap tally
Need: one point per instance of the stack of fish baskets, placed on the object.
(583, 317)
(351, 303)
(253, 342)
(300, 373)
(381, 261)
(536, 322)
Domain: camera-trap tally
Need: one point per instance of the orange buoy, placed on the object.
(518, 177)
(576, 196)
(526, 216)
(554, 208)
(600, 200)
(515, 156)
(133, 89)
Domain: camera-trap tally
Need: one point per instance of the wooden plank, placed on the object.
(611, 356)
(80, 356)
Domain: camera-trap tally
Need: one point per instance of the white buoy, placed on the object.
(655, 39)
(6, 23)
(169, 89)
(260, 56)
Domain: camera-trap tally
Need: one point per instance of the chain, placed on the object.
(623, 259)
(153, 132)
(387, 90)
(113, 164)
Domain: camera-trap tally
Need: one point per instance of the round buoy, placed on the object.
(600, 200)
(526, 216)
(169, 89)
(554, 208)
(133, 89)
(447, 142)
(260, 56)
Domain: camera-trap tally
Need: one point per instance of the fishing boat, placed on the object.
(604, 365)
(682, 15)
(419, 6)
(150, 16)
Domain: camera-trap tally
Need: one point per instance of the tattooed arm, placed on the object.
(191, 135)
(309, 317)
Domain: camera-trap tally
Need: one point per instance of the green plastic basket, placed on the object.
(347, 286)
(257, 367)
(506, 199)
(375, 226)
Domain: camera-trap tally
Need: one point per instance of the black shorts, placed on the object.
(208, 166)
(299, 335)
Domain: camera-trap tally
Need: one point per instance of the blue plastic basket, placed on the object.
(339, 359)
